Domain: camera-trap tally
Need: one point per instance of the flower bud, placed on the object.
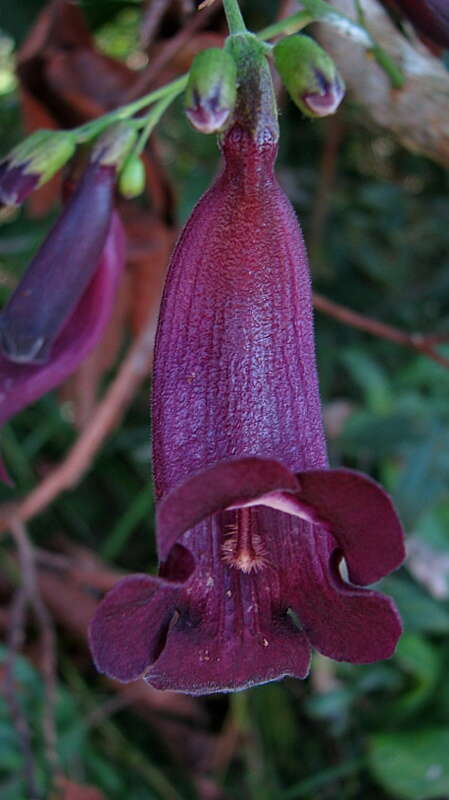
(309, 75)
(32, 163)
(60, 272)
(22, 384)
(114, 145)
(131, 181)
(211, 90)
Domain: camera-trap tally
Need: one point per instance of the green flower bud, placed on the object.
(114, 145)
(211, 90)
(32, 163)
(131, 181)
(309, 75)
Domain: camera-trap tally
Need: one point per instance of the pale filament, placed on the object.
(243, 547)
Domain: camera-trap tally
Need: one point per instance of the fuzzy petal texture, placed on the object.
(341, 621)
(130, 625)
(234, 373)
(360, 516)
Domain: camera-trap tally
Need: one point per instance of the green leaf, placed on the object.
(371, 379)
(422, 662)
(413, 765)
(419, 612)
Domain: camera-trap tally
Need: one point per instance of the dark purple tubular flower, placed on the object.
(251, 524)
(22, 384)
(60, 272)
(431, 17)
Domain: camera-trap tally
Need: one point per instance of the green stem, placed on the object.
(151, 120)
(324, 12)
(395, 74)
(315, 10)
(234, 17)
(382, 58)
(288, 26)
(91, 129)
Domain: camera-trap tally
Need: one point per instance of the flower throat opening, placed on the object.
(243, 547)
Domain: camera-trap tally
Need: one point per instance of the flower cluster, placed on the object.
(265, 552)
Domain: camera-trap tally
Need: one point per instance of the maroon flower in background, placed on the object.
(244, 587)
(431, 17)
(21, 383)
(51, 287)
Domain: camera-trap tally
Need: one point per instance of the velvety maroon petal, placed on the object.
(343, 622)
(229, 484)
(130, 624)
(21, 384)
(196, 662)
(361, 517)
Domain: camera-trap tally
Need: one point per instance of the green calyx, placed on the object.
(114, 145)
(256, 108)
(211, 90)
(43, 153)
(309, 75)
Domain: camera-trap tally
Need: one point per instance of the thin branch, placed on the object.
(33, 597)
(150, 73)
(15, 639)
(415, 341)
(152, 17)
(133, 370)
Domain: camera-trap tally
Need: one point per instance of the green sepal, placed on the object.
(309, 75)
(43, 153)
(115, 144)
(211, 90)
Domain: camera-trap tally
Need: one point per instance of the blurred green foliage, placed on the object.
(373, 732)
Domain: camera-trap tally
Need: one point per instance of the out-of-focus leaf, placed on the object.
(422, 663)
(370, 378)
(425, 476)
(419, 612)
(413, 765)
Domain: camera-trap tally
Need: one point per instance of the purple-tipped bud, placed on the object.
(211, 91)
(309, 75)
(429, 16)
(60, 272)
(32, 163)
